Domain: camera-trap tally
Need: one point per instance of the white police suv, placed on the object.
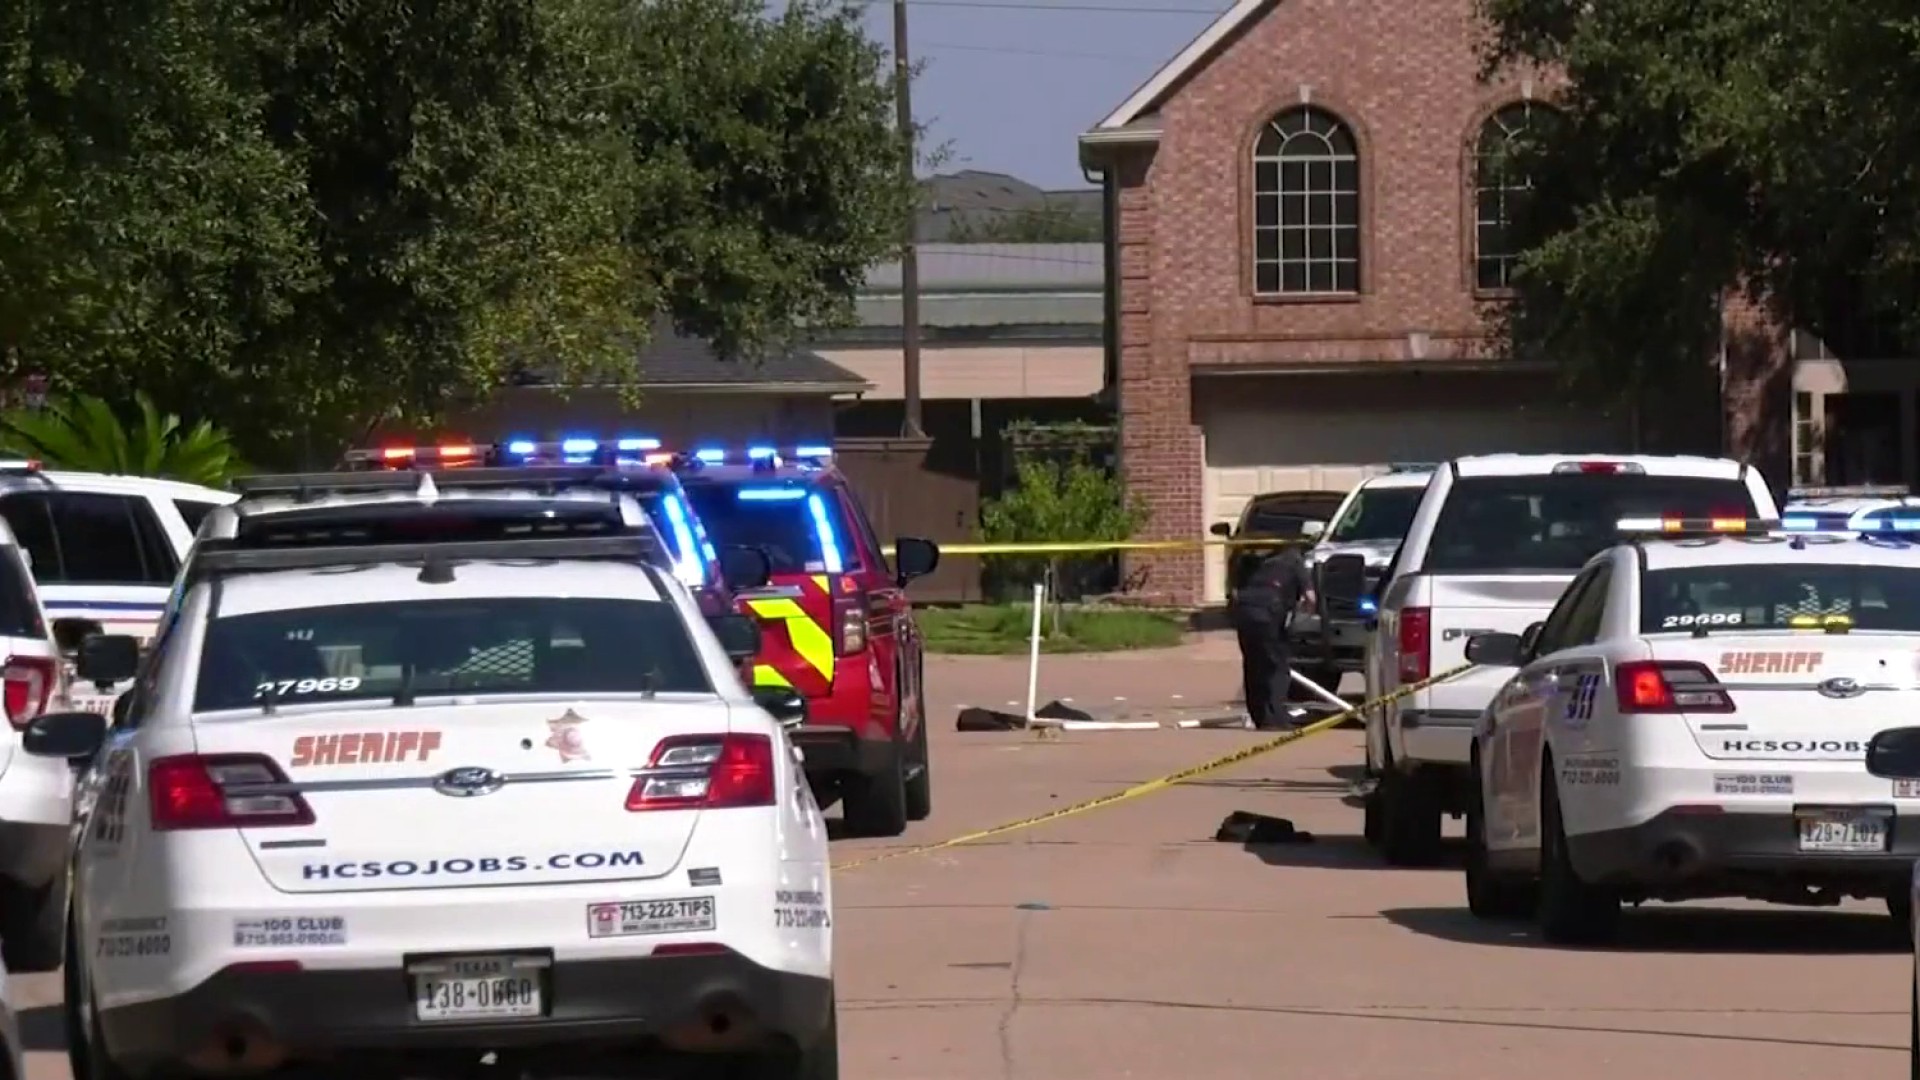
(1691, 722)
(426, 767)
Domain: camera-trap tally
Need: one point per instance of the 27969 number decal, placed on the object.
(291, 687)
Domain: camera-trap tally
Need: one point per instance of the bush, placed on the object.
(1059, 502)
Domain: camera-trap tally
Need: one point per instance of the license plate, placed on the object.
(1843, 832)
(479, 988)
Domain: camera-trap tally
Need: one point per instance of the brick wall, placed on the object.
(1403, 75)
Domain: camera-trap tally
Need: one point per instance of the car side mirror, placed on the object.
(65, 735)
(783, 703)
(68, 633)
(745, 567)
(739, 636)
(1313, 530)
(1343, 580)
(1494, 650)
(914, 557)
(105, 659)
(1221, 529)
(1530, 640)
(1894, 754)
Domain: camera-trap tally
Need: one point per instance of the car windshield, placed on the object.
(495, 645)
(1281, 518)
(1555, 523)
(1382, 513)
(1769, 596)
(800, 528)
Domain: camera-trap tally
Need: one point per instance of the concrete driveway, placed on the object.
(1127, 943)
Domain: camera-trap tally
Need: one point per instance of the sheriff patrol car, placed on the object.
(414, 774)
(1691, 722)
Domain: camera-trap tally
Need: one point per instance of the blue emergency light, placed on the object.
(1790, 523)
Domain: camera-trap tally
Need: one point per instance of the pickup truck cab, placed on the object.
(1494, 543)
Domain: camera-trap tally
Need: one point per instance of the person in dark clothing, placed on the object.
(1263, 608)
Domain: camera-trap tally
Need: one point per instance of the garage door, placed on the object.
(1277, 433)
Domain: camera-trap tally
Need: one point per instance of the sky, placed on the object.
(1008, 85)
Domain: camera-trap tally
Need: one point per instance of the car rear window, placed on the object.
(1381, 513)
(1769, 596)
(500, 645)
(19, 615)
(800, 528)
(1555, 523)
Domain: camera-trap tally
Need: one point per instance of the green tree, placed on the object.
(1711, 147)
(84, 433)
(1028, 225)
(1055, 501)
(766, 166)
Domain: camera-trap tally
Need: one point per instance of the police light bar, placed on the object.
(1860, 491)
(1703, 526)
(442, 456)
(1860, 521)
(586, 450)
(19, 465)
(760, 456)
(1411, 466)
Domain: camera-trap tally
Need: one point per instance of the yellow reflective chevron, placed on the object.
(821, 580)
(766, 675)
(810, 640)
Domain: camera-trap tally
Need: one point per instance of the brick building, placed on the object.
(1304, 212)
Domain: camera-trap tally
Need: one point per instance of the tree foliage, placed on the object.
(84, 433)
(300, 219)
(1707, 146)
(1059, 501)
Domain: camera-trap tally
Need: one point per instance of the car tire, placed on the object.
(1489, 895)
(1913, 1021)
(33, 925)
(86, 1060)
(1409, 817)
(1372, 816)
(1571, 911)
(874, 805)
(920, 787)
(821, 1061)
(1900, 908)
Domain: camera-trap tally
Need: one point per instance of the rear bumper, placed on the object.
(1310, 648)
(342, 1011)
(829, 750)
(1437, 736)
(1716, 854)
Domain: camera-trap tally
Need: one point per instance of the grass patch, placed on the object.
(994, 629)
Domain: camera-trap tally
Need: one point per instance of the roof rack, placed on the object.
(215, 558)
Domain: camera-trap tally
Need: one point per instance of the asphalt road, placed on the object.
(1126, 942)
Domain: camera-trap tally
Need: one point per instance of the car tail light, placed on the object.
(1599, 467)
(706, 772)
(850, 626)
(222, 791)
(1416, 638)
(1668, 686)
(29, 683)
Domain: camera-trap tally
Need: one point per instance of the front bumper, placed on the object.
(1680, 853)
(349, 1011)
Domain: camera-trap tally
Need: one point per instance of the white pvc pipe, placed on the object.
(1325, 695)
(1033, 651)
(1100, 725)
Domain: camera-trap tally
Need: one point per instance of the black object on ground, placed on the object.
(1243, 827)
(974, 718)
(1059, 710)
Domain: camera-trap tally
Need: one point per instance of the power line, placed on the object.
(1059, 5)
(948, 46)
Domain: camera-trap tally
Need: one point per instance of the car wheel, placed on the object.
(1409, 817)
(875, 804)
(1900, 907)
(1490, 896)
(1372, 816)
(1572, 911)
(86, 1058)
(33, 925)
(920, 785)
(821, 1061)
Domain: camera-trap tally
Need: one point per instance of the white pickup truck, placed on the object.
(1494, 543)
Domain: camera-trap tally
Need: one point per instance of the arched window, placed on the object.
(1306, 206)
(1499, 185)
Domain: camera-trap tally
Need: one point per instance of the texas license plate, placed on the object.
(1843, 832)
(479, 987)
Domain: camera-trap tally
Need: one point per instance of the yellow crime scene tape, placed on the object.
(1083, 547)
(1162, 783)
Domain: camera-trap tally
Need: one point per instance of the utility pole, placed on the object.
(909, 255)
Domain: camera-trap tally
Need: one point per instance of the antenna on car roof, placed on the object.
(436, 569)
